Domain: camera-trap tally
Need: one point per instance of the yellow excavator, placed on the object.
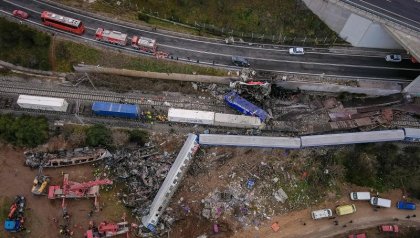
(41, 182)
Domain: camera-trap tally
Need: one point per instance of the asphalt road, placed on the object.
(405, 12)
(348, 62)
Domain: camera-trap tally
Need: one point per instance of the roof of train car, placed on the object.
(251, 141)
(47, 101)
(352, 138)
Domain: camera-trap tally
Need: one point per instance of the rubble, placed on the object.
(141, 172)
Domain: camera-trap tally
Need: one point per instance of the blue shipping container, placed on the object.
(242, 105)
(116, 109)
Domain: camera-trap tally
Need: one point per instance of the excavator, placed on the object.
(40, 183)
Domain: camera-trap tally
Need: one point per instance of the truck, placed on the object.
(113, 37)
(144, 44)
(245, 107)
(15, 218)
(116, 109)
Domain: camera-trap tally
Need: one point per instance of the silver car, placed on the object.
(393, 58)
(296, 51)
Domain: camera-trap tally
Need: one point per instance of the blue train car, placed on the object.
(116, 109)
(242, 105)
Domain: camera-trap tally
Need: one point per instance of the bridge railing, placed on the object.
(379, 17)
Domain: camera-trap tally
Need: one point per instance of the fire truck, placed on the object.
(113, 37)
(144, 44)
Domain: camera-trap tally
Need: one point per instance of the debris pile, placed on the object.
(240, 200)
(142, 172)
(61, 158)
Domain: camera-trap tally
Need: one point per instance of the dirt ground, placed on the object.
(292, 224)
(195, 188)
(210, 173)
(16, 179)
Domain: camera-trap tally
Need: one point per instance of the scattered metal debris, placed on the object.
(142, 172)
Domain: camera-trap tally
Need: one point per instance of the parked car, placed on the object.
(319, 214)
(240, 61)
(389, 228)
(360, 196)
(380, 202)
(406, 205)
(393, 58)
(361, 235)
(296, 51)
(345, 209)
(20, 14)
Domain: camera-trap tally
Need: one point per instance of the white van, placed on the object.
(319, 214)
(360, 196)
(380, 202)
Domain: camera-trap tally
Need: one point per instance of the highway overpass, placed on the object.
(390, 24)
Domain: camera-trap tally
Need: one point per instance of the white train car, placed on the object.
(239, 121)
(212, 118)
(353, 138)
(250, 141)
(191, 116)
(412, 134)
(42, 103)
(171, 182)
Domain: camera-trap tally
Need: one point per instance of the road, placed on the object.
(346, 62)
(291, 224)
(404, 12)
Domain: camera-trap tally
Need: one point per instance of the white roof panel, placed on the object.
(37, 100)
(190, 116)
(147, 42)
(352, 138)
(412, 133)
(251, 141)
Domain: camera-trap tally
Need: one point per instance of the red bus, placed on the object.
(62, 22)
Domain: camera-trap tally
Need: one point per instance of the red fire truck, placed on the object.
(62, 22)
(113, 37)
(144, 44)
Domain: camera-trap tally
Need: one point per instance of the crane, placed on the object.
(73, 189)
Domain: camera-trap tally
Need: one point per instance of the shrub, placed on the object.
(24, 130)
(99, 135)
(143, 17)
(139, 137)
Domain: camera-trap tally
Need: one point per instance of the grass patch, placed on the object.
(24, 46)
(288, 18)
(113, 208)
(69, 53)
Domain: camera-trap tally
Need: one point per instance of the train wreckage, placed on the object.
(62, 158)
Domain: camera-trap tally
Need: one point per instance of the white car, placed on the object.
(393, 58)
(296, 51)
(319, 214)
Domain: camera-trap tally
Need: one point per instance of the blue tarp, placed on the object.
(245, 107)
(116, 109)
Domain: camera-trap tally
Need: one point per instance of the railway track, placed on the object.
(15, 88)
(84, 95)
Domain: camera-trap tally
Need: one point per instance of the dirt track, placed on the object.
(291, 225)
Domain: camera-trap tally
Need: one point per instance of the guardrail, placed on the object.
(379, 17)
